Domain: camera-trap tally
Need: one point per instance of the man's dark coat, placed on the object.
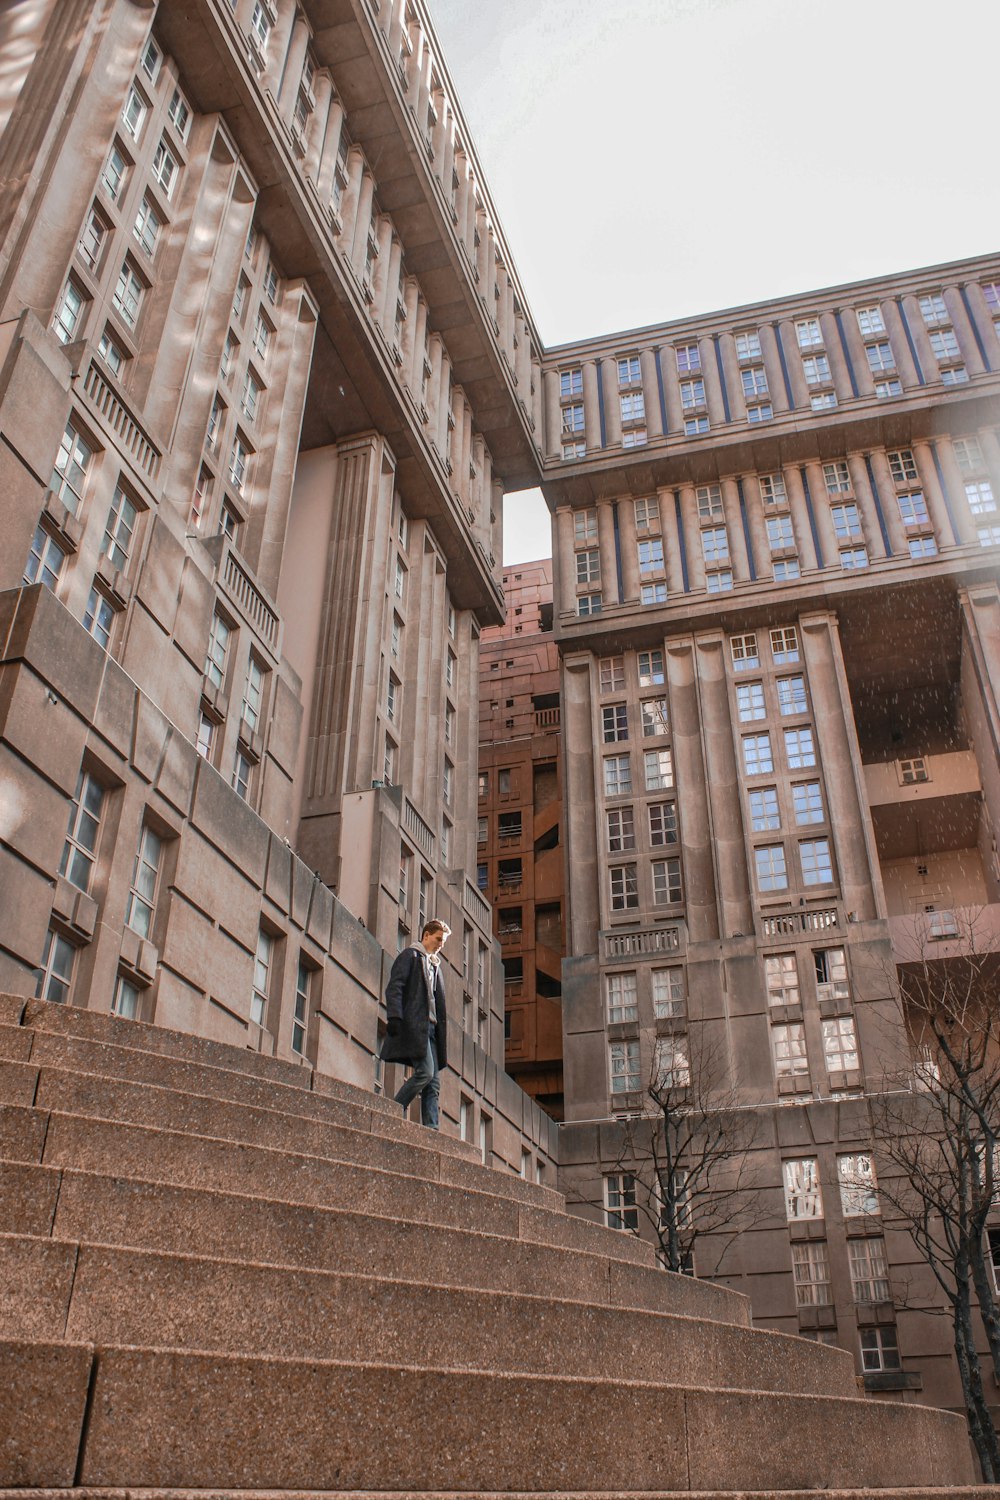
(407, 1002)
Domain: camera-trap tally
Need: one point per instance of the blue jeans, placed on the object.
(425, 1080)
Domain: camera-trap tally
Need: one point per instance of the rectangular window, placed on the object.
(922, 546)
(858, 1187)
(761, 413)
(650, 668)
(585, 526)
(754, 382)
(715, 545)
(625, 1075)
(179, 115)
(811, 1270)
(785, 568)
(615, 721)
(933, 309)
(113, 176)
(772, 491)
(250, 399)
(263, 961)
(840, 1045)
(743, 649)
(653, 593)
(719, 581)
(145, 873)
(869, 1271)
(112, 355)
(128, 295)
(253, 695)
(989, 536)
(671, 1065)
(588, 566)
(879, 1348)
(617, 775)
(623, 1003)
(831, 974)
(242, 774)
(99, 617)
(651, 556)
(884, 388)
(757, 758)
(870, 320)
(662, 823)
(658, 767)
(784, 645)
(748, 345)
(80, 849)
(621, 830)
(151, 59)
(791, 695)
(70, 473)
(667, 890)
(300, 1018)
(764, 814)
(654, 717)
(45, 559)
(572, 418)
(913, 509)
(781, 977)
(688, 358)
(612, 674)
(902, 465)
(628, 370)
(218, 647)
(789, 1046)
(574, 450)
(647, 514)
(816, 369)
(589, 604)
(126, 1000)
(817, 866)
(968, 454)
(846, 520)
(750, 701)
(800, 751)
(692, 394)
(620, 1209)
(837, 477)
(55, 974)
(239, 459)
(709, 498)
(769, 862)
(808, 802)
(134, 113)
(69, 313)
(633, 407)
(570, 383)
(945, 345)
(779, 533)
(624, 887)
(803, 1197)
(147, 226)
(120, 530)
(693, 426)
(669, 1001)
(165, 169)
(880, 357)
(853, 558)
(980, 497)
(808, 333)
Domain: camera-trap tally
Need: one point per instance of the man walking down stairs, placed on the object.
(221, 1271)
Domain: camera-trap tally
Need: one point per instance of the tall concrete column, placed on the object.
(835, 354)
(800, 520)
(983, 317)
(412, 335)
(821, 499)
(362, 223)
(921, 339)
(890, 505)
(734, 531)
(859, 358)
(851, 830)
(434, 391)
(294, 63)
(318, 125)
(979, 680)
(671, 545)
(382, 283)
(691, 775)
(758, 529)
(612, 405)
(866, 506)
(631, 577)
(522, 361)
(989, 442)
(553, 417)
(535, 396)
(651, 393)
(591, 407)
(352, 194)
(445, 415)
(734, 905)
(713, 385)
(466, 199)
(734, 379)
(465, 446)
(934, 495)
(331, 145)
(692, 538)
(564, 560)
(793, 361)
(606, 546)
(772, 368)
(391, 255)
(583, 920)
(963, 330)
(905, 367)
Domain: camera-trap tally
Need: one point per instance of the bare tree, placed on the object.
(939, 1140)
(686, 1162)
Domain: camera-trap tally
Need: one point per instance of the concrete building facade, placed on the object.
(266, 369)
(775, 538)
(520, 855)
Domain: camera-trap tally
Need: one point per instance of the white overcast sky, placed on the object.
(654, 158)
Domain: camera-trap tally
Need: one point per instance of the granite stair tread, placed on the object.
(328, 1423)
(113, 1295)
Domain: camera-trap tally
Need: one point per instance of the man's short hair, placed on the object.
(434, 924)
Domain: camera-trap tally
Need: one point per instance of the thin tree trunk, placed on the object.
(980, 1423)
(987, 1303)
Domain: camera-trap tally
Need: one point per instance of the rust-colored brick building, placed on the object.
(519, 836)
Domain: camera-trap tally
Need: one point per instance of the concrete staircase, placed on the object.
(221, 1271)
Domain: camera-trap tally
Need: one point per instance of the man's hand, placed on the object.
(395, 1026)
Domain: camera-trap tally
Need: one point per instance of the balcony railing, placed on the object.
(104, 400)
(791, 923)
(418, 830)
(547, 718)
(648, 940)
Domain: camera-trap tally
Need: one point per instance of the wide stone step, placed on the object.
(164, 1418)
(91, 1492)
(366, 1112)
(97, 1145)
(111, 1296)
(101, 1209)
